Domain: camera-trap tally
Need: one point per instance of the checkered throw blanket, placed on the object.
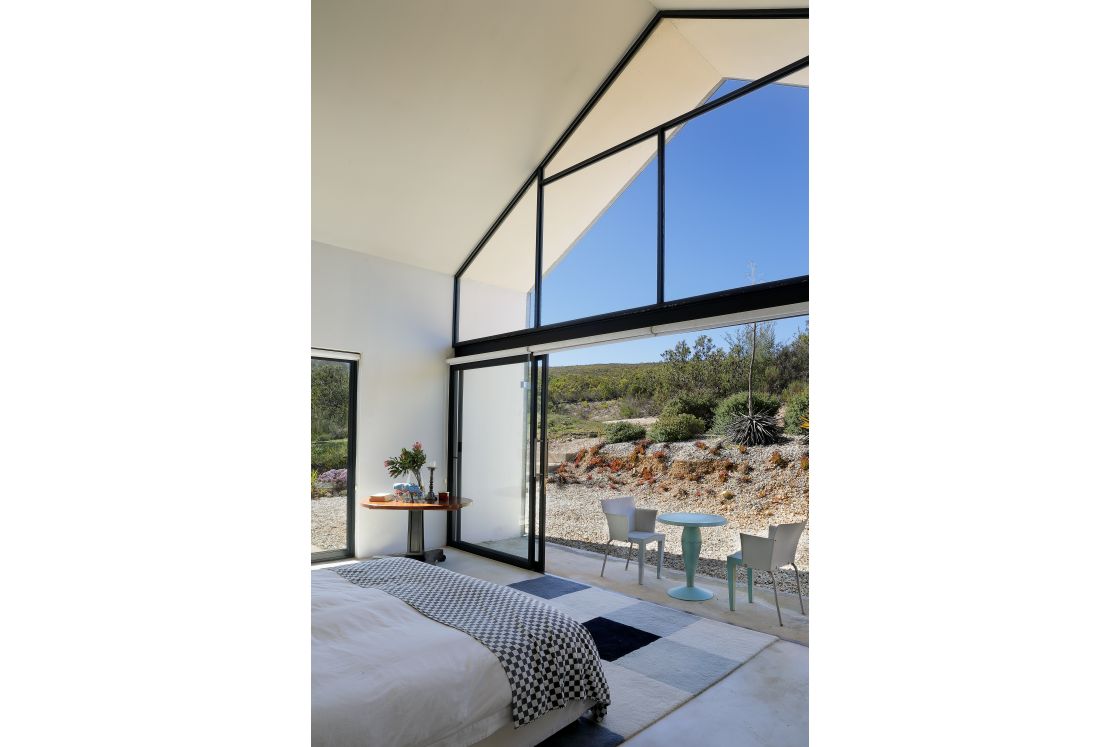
(550, 658)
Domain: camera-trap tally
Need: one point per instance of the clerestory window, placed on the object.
(688, 176)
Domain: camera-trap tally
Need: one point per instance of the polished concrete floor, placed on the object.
(765, 702)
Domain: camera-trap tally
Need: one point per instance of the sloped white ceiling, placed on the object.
(427, 115)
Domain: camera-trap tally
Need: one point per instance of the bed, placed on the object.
(404, 653)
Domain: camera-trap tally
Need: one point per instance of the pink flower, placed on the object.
(417, 446)
(386, 462)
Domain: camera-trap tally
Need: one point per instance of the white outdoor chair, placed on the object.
(766, 554)
(634, 526)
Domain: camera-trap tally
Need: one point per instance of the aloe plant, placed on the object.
(753, 429)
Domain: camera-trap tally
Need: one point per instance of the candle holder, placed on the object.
(430, 496)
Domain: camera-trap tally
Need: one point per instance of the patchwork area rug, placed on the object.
(655, 657)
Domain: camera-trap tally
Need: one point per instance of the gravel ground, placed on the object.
(328, 522)
(768, 495)
(559, 449)
(644, 422)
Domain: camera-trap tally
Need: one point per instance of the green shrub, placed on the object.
(698, 405)
(570, 425)
(680, 427)
(617, 432)
(327, 455)
(795, 388)
(627, 409)
(735, 405)
(797, 412)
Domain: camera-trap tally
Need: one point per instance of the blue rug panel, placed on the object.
(548, 587)
(615, 640)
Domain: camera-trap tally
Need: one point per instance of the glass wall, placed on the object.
(722, 206)
(600, 237)
(737, 194)
(731, 209)
(630, 394)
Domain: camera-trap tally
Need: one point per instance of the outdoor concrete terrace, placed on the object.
(584, 566)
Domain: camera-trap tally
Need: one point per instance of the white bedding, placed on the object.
(383, 674)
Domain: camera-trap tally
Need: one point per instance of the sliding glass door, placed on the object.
(334, 388)
(497, 459)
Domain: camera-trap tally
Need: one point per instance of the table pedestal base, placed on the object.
(416, 549)
(428, 556)
(690, 593)
(690, 544)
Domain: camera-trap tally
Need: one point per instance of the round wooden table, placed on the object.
(416, 511)
(690, 545)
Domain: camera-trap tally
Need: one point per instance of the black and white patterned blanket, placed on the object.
(550, 658)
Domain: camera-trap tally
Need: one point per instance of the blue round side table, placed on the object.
(690, 544)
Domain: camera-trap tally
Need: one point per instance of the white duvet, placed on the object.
(383, 675)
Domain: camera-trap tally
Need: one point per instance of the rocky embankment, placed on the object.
(752, 487)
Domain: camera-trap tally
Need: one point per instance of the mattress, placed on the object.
(383, 674)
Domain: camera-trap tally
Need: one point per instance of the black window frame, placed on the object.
(351, 462)
(538, 463)
(735, 300)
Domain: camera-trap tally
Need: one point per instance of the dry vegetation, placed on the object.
(752, 487)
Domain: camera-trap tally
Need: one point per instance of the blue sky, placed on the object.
(736, 210)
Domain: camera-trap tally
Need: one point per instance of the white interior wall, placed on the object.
(398, 317)
(486, 309)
